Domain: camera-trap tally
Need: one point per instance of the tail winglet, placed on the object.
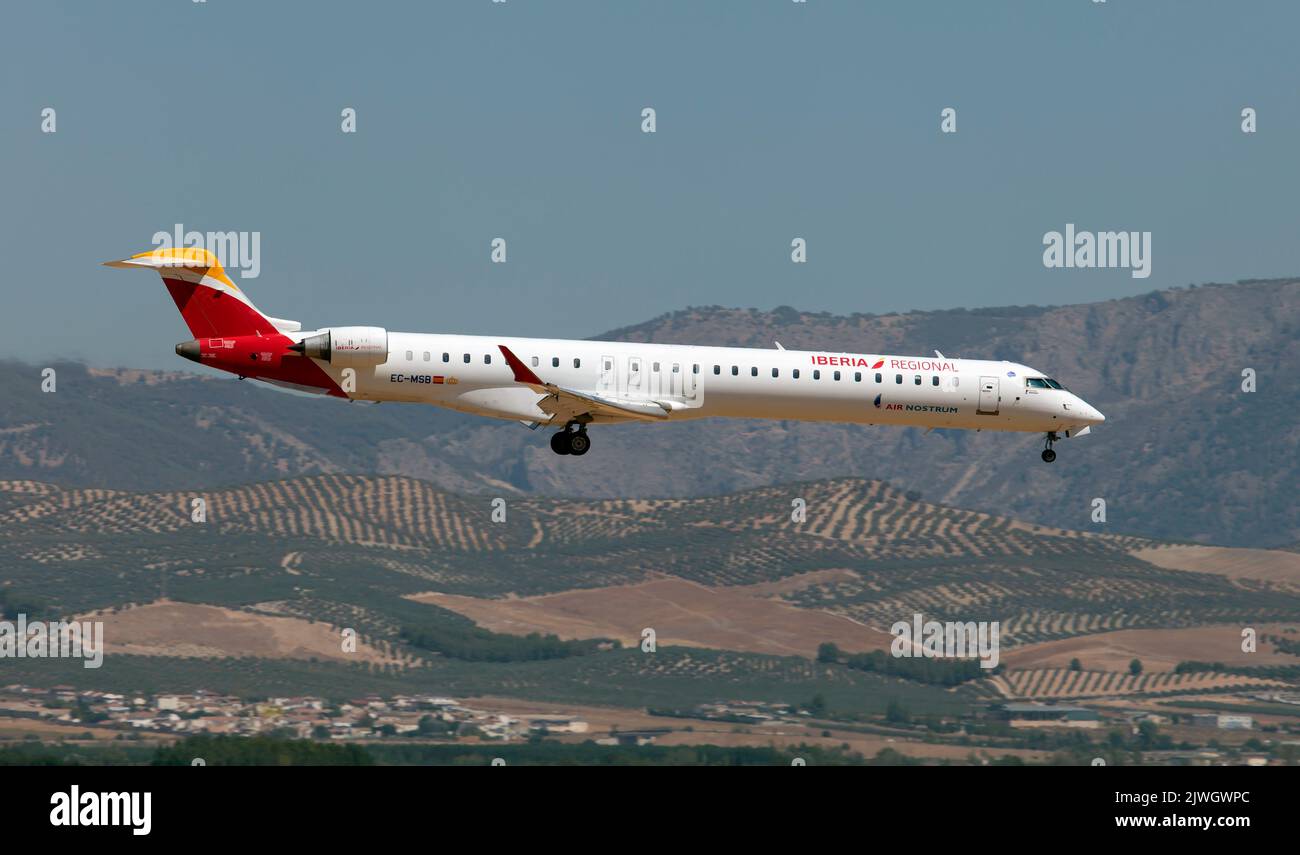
(523, 374)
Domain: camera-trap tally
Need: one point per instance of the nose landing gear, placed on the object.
(571, 441)
(1048, 454)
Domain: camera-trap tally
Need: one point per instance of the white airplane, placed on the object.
(572, 384)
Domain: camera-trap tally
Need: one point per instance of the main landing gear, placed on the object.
(572, 440)
(1048, 454)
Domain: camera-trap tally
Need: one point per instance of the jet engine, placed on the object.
(346, 346)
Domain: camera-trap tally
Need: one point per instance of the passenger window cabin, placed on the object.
(817, 374)
(795, 373)
(934, 381)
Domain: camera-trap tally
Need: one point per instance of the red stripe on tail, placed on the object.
(209, 312)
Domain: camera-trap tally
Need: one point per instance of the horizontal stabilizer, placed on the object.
(189, 256)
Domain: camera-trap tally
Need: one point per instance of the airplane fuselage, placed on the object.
(470, 374)
(571, 384)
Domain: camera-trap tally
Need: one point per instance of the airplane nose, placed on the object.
(1085, 411)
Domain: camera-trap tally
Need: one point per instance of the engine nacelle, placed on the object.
(347, 346)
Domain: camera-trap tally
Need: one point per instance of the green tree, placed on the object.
(430, 726)
(1135, 667)
(1148, 735)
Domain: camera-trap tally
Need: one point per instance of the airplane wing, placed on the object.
(565, 404)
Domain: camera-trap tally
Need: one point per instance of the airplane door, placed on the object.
(691, 383)
(634, 372)
(675, 381)
(656, 378)
(989, 396)
(608, 375)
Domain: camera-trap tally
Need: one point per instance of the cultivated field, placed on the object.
(1160, 650)
(680, 612)
(166, 628)
(271, 572)
(1064, 683)
(1271, 565)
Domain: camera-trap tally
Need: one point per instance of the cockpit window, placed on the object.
(1036, 383)
(1054, 384)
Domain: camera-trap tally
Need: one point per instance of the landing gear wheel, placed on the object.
(560, 442)
(1048, 454)
(579, 443)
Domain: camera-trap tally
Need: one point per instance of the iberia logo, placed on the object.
(847, 361)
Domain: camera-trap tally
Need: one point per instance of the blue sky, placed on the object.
(522, 120)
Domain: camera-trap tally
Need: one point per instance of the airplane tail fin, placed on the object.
(209, 302)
